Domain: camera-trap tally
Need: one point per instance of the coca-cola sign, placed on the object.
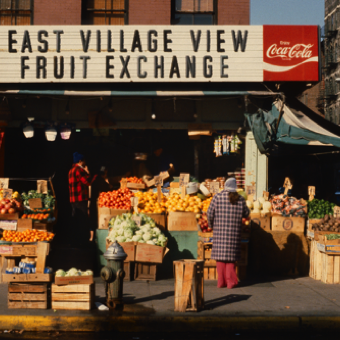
(290, 53)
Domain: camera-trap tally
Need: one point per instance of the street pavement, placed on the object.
(287, 301)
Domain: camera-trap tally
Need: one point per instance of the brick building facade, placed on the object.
(131, 12)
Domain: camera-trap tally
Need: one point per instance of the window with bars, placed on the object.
(105, 12)
(16, 12)
(194, 12)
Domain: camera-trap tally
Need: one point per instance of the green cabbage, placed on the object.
(150, 242)
(147, 236)
(120, 239)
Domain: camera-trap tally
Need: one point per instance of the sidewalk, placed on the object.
(281, 303)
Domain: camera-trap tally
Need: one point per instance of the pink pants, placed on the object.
(226, 272)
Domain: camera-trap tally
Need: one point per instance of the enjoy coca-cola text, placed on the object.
(296, 51)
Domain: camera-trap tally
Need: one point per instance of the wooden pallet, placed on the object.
(189, 285)
(73, 297)
(145, 271)
(21, 296)
(324, 267)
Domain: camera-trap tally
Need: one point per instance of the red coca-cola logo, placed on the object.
(290, 53)
(296, 51)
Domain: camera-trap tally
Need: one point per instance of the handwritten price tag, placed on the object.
(42, 186)
(158, 181)
(311, 191)
(137, 219)
(214, 187)
(4, 183)
(7, 193)
(251, 190)
(184, 180)
(123, 183)
(336, 212)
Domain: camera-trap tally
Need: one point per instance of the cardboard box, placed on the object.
(129, 248)
(174, 185)
(294, 224)
(149, 253)
(46, 226)
(9, 217)
(105, 215)
(9, 225)
(259, 222)
(73, 280)
(182, 221)
(136, 186)
(26, 223)
(160, 220)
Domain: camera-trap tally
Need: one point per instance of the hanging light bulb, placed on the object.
(65, 132)
(51, 133)
(67, 108)
(28, 130)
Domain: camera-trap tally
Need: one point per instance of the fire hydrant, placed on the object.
(113, 275)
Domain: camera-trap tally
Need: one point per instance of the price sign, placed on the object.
(251, 190)
(287, 185)
(137, 219)
(214, 187)
(266, 195)
(35, 203)
(311, 191)
(158, 181)
(7, 193)
(123, 183)
(42, 186)
(184, 180)
(4, 183)
(336, 212)
(134, 203)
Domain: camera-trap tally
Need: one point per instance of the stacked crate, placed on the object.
(209, 271)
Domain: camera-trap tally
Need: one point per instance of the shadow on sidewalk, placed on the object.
(130, 299)
(225, 300)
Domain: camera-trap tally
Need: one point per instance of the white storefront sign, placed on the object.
(115, 54)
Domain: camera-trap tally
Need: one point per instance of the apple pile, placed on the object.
(10, 206)
(203, 223)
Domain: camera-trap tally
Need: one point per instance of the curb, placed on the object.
(134, 324)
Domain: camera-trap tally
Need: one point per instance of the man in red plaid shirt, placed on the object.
(79, 180)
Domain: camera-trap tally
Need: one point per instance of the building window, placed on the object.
(194, 12)
(105, 12)
(16, 12)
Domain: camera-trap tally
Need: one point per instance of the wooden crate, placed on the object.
(129, 270)
(189, 285)
(73, 297)
(145, 271)
(294, 224)
(28, 296)
(210, 273)
(323, 266)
